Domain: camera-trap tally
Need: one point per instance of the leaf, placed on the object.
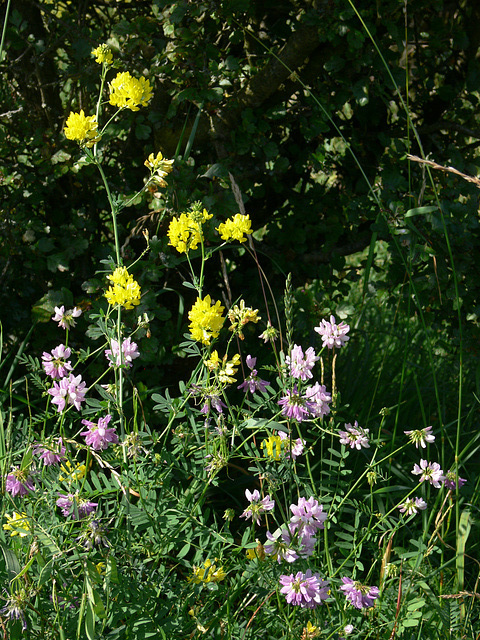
(420, 211)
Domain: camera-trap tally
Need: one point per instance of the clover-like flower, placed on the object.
(429, 471)
(305, 590)
(257, 507)
(360, 595)
(127, 92)
(100, 435)
(206, 320)
(124, 290)
(420, 436)
(301, 365)
(82, 128)
(333, 335)
(235, 228)
(103, 54)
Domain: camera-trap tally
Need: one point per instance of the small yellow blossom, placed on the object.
(257, 552)
(18, 524)
(103, 54)
(225, 369)
(124, 290)
(235, 228)
(310, 631)
(101, 567)
(240, 315)
(207, 573)
(72, 474)
(184, 234)
(159, 167)
(82, 128)
(272, 447)
(129, 92)
(206, 320)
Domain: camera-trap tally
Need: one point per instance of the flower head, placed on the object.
(159, 167)
(208, 573)
(235, 228)
(239, 316)
(279, 546)
(19, 482)
(82, 128)
(99, 436)
(129, 92)
(69, 390)
(206, 320)
(294, 448)
(295, 405)
(93, 535)
(252, 382)
(272, 447)
(429, 471)
(270, 334)
(333, 335)
(354, 437)
(301, 366)
(129, 353)
(124, 290)
(75, 507)
(18, 524)
(103, 54)
(412, 505)
(72, 474)
(450, 480)
(64, 318)
(361, 596)
(224, 369)
(304, 589)
(257, 507)
(420, 437)
(318, 400)
(55, 363)
(50, 454)
(308, 516)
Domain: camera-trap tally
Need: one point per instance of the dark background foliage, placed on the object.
(278, 94)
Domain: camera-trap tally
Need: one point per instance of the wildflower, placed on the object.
(133, 445)
(208, 573)
(420, 436)
(125, 290)
(298, 445)
(129, 353)
(50, 454)
(450, 480)
(257, 507)
(354, 437)
(429, 471)
(205, 320)
(69, 390)
(82, 128)
(99, 435)
(412, 505)
(279, 546)
(235, 228)
(239, 316)
(75, 507)
(347, 630)
(361, 596)
(16, 606)
(18, 524)
(19, 482)
(333, 335)
(294, 405)
(229, 515)
(93, 535)
(103, 54)
(301, 366)
(129, 92)
(64, 318)
(308, 516)
(159, 167)
(304, 589)
(318, 400)
(270, 334)
(273, 442)
(258, 552)
(72, 474)
(54, 363)
(210, 397)
(225, 369)
(253, 383)
(310, 631)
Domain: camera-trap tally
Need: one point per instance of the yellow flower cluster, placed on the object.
(72, 474)
(235, 228)
(82, 128)
(159, 167)
(129, 92)
(125, 290)
(185, 232)
(206, 320)
(103, 54)
(240, 315)
(207, 573)
(257, 552)
(225, 369)
(272, 447)
(18, 524)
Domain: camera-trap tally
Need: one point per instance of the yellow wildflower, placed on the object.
(159, 167)
(72, 474)
(235, 228)
(257, 552)
(125, 290)
(18, 524)
(129, 92)
(207, 573)
(103, 54)
(101, 568)
(226, 368)
(310, 631)
(240, 315)
(82, 128)
(206, 320)
(273, 442)
(184, 234)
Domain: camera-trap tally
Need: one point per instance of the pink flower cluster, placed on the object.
(354, 437)
(304, 590)
(257, 507)
(301, 365)
(361, 596)
(69, 391)
(99, 436)
(55, 363)
(333, 335)
(129, 353)
(252, 382)
(314, 403)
